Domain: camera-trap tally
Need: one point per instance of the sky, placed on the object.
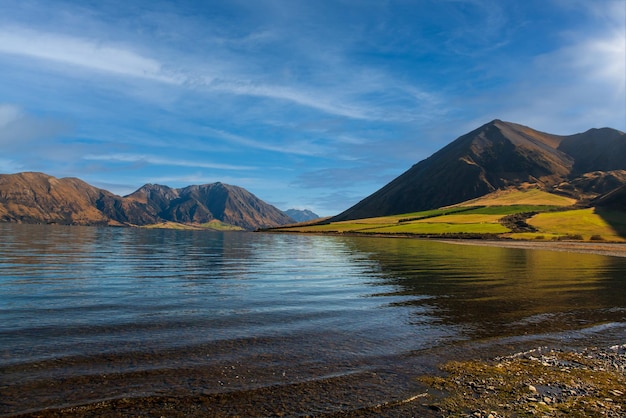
(306, 104)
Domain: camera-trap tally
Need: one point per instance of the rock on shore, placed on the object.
(541, 382)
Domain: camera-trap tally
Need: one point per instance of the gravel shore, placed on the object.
(540, 382)
(601, 248)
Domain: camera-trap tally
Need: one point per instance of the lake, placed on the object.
(106, 321)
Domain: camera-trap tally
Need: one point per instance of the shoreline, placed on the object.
(614, 249)
(599, 248)
(541, 381)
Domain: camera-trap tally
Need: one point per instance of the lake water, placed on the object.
(249, 324)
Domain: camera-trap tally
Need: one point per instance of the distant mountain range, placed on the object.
(500, 155)
(301, 215)
(40, 198)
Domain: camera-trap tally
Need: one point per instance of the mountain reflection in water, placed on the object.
(202, 323)
(496, 292)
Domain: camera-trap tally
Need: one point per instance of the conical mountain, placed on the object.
(495, 156)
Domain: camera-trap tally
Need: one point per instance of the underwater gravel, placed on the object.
(541, 382)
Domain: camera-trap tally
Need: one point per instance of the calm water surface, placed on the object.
(268, 324)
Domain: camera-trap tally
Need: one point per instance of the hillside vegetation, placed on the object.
(513, 213)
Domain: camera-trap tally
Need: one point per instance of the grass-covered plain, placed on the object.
(586, 224)
(550, 215)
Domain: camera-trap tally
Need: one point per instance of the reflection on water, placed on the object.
(494, 292)
(307, 323)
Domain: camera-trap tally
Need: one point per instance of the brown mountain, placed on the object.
(499, 155)
(40, 198)
(199, 204)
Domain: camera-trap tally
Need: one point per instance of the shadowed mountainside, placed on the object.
(499, 155)
(40, 198)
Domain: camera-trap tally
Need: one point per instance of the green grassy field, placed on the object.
(549, 214)
(585, 224)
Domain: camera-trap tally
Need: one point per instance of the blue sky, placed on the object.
(307, 104)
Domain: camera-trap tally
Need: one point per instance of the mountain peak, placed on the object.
(497, 155)
(40, 198)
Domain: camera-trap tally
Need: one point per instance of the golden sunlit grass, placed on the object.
(462, 218)
(519, 197)
(586, 223)
(435, 228)
(484, 216)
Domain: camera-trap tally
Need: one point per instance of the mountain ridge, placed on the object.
(495, 156)
(31, 197)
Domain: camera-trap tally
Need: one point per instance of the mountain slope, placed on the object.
(596, 150)
(230, 204)
(614, 200)
(40, 198)
(495, 156)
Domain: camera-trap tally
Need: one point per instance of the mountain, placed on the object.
(200, 204)
(40, 198)
(301, 215)
(614, 200)
(499, 155)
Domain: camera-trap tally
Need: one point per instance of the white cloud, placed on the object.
(597, 56)
(87, 53)
(341, 92)
(581, 84)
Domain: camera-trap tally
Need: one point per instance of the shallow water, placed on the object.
(268, 324)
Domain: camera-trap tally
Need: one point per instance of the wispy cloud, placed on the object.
(578, 84)
(359, 95)
(335, 98)
(8, 114)
(600, 54)
(296, 147)
(156, 160)
(18, 128)
(10, 166)
(91, 54)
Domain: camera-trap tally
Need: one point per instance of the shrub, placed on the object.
(573, 237)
